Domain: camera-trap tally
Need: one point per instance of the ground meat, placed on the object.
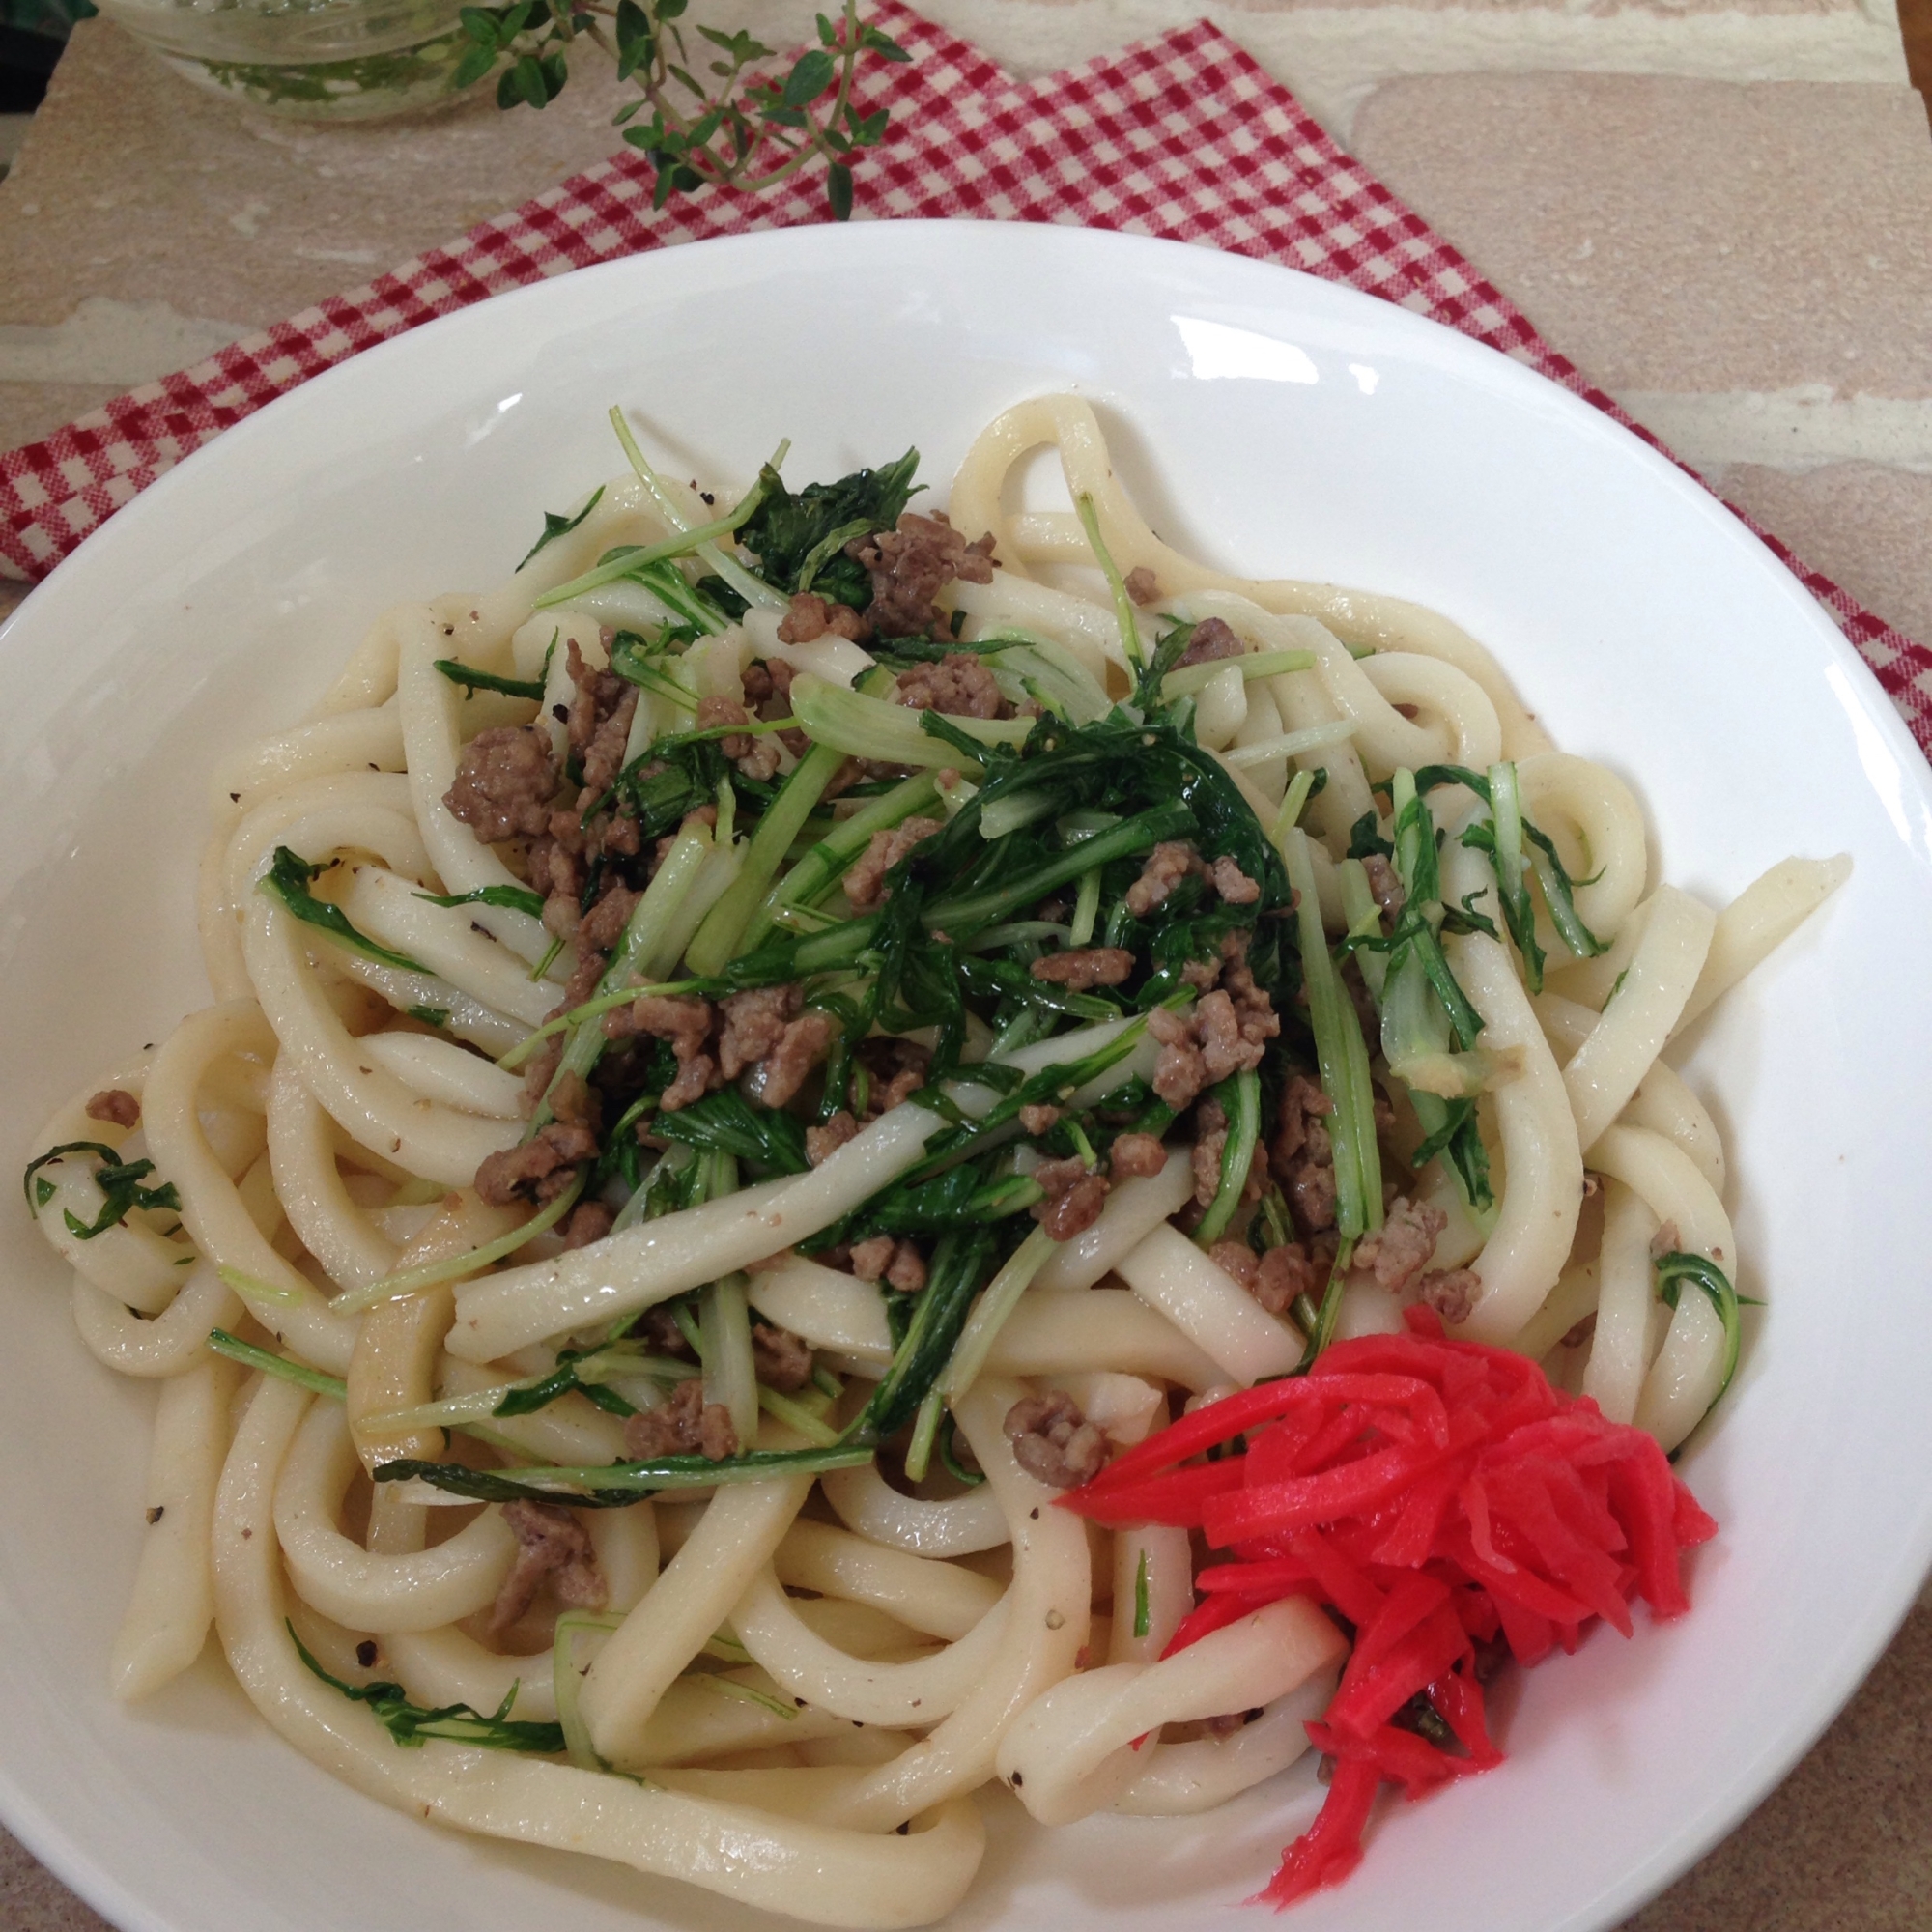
(1385, 888)
(1227, 1033)
(1301, 1156)
(811, 616)
(959, 685)
(540, 1072)
(784, 1360)
(1239, 1260)
(896, 1070)
(866, 882)
(756, 754)
(540, 1169)
(1232, 884)
(1074, 1198)
(603, 926)
(1178, 1074)
(1213, 639)
(686, 1024)
(755, 1023)
(804, 1044)
(823, 1142)
(1082, 969)
(116, 1105)
(1284, 1272)
(600, 721)
(504, 781)
(897, 1263)
(1136, 1154)
(1210, 1142)
(551, 1544)
(1040, 1119)
(911, 565)
(1400, 1249)
(1053, 1441)
(1139, 584)
(1232, 1040)
(1161, 870)
(658, 1330)
(687, 1425)
(589, 1221)
(1451, 1291)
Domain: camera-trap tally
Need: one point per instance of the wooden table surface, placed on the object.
(1722, 213)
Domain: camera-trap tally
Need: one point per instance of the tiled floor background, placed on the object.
(1719, 209)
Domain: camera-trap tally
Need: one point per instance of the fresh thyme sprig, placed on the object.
(746, 126)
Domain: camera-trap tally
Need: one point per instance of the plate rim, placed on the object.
(40, 1829)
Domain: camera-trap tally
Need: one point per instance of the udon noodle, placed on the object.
(786, 1683)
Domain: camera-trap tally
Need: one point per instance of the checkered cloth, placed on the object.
(1183, 137)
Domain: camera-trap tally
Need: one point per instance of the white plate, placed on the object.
(1266, 422)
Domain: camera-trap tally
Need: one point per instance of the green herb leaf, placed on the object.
(287, 881)
(1143, 1610)
(473, 680)
(120, 1183)
(556, 525)
(618, 1484)
(411, 1724)
(509, 899)
(799, 539)
(1677, 1267)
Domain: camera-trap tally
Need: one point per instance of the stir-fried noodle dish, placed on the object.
(845, 1153)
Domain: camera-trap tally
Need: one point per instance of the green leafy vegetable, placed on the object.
(473, 680)
(727, 1122)
(557, 526)
(315, 1381)
(800, 539)
(1675, 1268)
(120, 1181)
(509, 899)
(618, 1484)
(287, 881)
(413, 1725)
(1143, 1609)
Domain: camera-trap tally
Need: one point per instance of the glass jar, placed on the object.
(313, 59)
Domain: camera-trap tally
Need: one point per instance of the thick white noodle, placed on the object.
(1133, 1210)
(1209, 1306)
(212, 1211)
(1537, 1219)
(1072, 1751)
(1765, 912)
(960, 1526)
(1047, 1617)
(1104, 1328)
(415, 1591)
(640, 1266)
(1620, 1344)
(815, 1872)
(1605, 1071)
(1156, 1560)
(937, 1599)
(1185, 1779)
(825, 1307)
(173, 1599)
(353, 1252)
(733, 1541)
(805, 1666)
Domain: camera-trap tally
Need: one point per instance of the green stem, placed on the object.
(1358, 1200)
(812, 878)
(1240, 1099)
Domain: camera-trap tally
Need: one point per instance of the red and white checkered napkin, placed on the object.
(1183, 137)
